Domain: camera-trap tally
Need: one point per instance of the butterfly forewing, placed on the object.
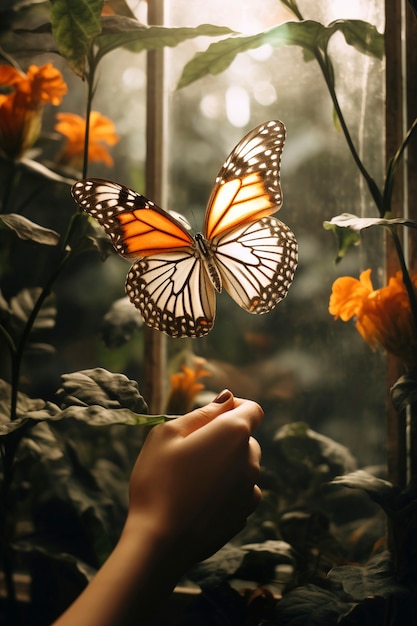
(174, 278)
(135, 225)
(247, 187)
(257, 263)
(173, 293)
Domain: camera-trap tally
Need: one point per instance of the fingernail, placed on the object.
(223, 396)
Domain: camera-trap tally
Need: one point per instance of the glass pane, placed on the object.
(298, 362)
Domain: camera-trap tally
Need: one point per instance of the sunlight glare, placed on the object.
(237, 106)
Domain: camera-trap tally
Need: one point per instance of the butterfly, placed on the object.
(175, 276)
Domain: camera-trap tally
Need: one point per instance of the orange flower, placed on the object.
(185, 387)
(383, 316)
(102, 131)
(21, 108)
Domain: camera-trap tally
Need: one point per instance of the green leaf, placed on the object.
(121, 31)
(404, 392)
(21, 307)
(346, 228)
(359, 34)
(70, 562)
(88, 235)
(34, 411)
(219, 567)
(311, 605)
(376, 579)
(345, 238)
(221, 54)
(30, 42)
(74, 24)
(348, 220)
(44, 171)
(27, 31)
(120, 323)
(310, 35)
(24, 405)
(28, 230)
(101, 387)
(96, 415)
(380, 491)
(298, 446)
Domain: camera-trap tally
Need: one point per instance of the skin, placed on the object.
(191, 490)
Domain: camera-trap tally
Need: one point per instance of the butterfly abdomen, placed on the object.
(207, 257)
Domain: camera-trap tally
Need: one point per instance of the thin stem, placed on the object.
(406, 276)
(392, 168)
(28, 327)
(9, 340)
(92, 64)
(373, 188)
(325, 64)
(17, 355)
(292, 6)
(8, 185)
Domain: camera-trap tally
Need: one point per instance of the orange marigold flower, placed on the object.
(102, 131)
(21, 108)
(185, 386)
(383, 316)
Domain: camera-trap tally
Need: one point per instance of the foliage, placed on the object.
(304, 557)
(63, 487)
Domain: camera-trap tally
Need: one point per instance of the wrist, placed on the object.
(147, 541)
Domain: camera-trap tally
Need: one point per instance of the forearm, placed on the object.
(191, 490)
(139, 574)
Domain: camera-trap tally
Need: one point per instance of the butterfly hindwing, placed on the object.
(136, 225)
(257, 263)
(173, 293)
(248, 187)
(174, 277)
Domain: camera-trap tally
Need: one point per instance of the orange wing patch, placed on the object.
(146, 231)
(237, 201)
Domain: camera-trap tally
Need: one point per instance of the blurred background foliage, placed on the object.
(302, 366)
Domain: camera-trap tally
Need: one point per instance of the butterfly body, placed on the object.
(241, 248)
(203, 249)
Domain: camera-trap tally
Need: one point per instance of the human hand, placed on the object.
(194, 482)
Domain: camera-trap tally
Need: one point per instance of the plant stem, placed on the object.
(92, 64)
(372, 186)
(392, 168)
(8, 185)
(406, 276)
(324, 63)
(17, 360)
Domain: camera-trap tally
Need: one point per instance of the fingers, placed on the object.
(224, 403)
(198, 418)
(250, 411)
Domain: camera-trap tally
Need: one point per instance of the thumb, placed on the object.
(198, 418)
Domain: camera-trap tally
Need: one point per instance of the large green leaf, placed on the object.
(404, 392)
(311, 605)
(120, 323)
(74, 24)
(121, 31)
(96, 397)
(348, 220)
(380, 491)
(361, 35)
(26, 229)
(346, 228)
(21, 307)
(99, 386)
(308, 34)
(375, 579)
